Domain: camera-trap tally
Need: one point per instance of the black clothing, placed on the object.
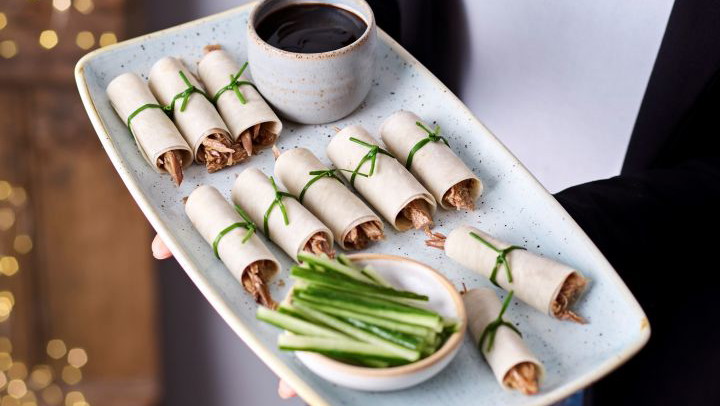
(658, 223)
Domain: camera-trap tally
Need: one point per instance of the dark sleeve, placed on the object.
(660, 230)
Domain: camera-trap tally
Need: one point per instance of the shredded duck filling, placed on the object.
(570, 291)
(218, 151)
(460, 196)
(257, 137)
(523, 377)
(359, 237)
(319, 244)
(171, 162)
(254, 282)
(418, 213)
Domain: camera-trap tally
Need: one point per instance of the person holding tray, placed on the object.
(280, 216)
(232, 236)
(319, 188)
(250, 119)
(381, 179)
(194, 114)
(157, 138)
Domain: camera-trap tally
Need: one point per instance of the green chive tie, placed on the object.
(140, 110)
(433, 136)
(371, 156)
(276, 202)
(247, 224)
(501, 259)
(184, 95)
(234, 85)
(491, 329)
(317, 175)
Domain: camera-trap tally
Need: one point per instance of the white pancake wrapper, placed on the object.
(154, 133)
(210, 213)
(215, 70)
(435, 165)
(390, 188)
(327, 198)
(254, 193)
(200, 118)
(536, 280)
(483, 306)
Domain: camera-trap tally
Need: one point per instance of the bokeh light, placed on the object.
(8, 49)
(22, 244)
(18, 196)
(48, 39)
(9, 266)
(84, 6)
(71, 375)
(7, 218)
(85, 40)
(52, 395)
(107, 38)
(61, 5)
(56, 348)
(77, 357)
(40, 377)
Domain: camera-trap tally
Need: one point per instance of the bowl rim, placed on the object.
(453, 342)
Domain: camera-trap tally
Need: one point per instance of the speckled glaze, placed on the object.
(313, 88)
(514, 207)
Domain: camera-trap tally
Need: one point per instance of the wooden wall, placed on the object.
(89, 279)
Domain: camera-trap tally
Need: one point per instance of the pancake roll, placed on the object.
(234, 241)
(381, 179)
(157, 138)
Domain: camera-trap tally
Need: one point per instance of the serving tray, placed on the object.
(514, 207)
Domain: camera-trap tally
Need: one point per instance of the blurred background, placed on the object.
(87, 317)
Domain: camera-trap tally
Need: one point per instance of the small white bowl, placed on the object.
(406, 274)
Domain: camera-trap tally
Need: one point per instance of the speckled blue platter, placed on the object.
(514, 207)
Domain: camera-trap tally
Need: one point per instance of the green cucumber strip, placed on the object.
(348, 329)
(339, 281)
(367, 271)
(339, 347)
(294, 324)
(372, 306)
(327, 263)
(371, 273)
(406, 340)
(432, 322)
(423, 332)
(314, 290)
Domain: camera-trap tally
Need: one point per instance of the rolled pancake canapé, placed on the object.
(157, 138)
(390, 188)
(546, 285)
(432, 161)
(512, 362)
(194, 114)
(248, 116)
(247, 258)
(270, 207)
(322, 192)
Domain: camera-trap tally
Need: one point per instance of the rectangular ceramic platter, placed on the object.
(514, 207)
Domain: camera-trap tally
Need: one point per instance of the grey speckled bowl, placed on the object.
(313, 88)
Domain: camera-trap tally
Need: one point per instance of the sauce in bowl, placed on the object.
(311, 28)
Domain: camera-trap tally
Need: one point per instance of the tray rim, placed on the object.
(303, 389)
